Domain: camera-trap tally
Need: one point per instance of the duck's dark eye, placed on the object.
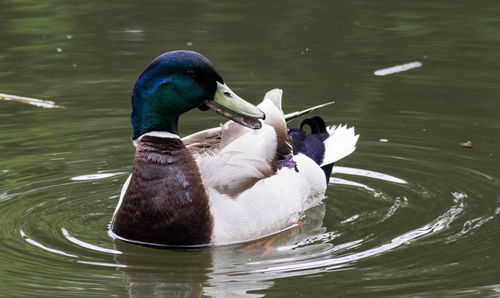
(228, 94)
(191, 72)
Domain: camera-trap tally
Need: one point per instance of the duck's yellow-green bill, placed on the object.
(230, 105)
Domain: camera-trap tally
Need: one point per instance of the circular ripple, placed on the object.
(367, 217)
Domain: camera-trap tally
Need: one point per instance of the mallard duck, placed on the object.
(247, 179)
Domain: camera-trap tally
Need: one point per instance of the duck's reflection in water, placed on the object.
(227, 271)
(152, 272)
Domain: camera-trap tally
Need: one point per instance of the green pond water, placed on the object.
(411, 213)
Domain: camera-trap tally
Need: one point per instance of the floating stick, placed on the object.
(397, 68)
(32, 101)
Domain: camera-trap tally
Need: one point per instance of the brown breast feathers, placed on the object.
(166, 202)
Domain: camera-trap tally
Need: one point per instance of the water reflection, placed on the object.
(251, 269)
(227, 271)
(162, 273)
(246, 269)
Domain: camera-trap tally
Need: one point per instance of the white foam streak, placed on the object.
(350, 183)
(88, 245)
(102, 264)
(95, 176)
(440, 223)
(52, 250)
(367, 173)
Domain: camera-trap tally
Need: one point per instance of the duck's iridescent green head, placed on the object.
(177, 82)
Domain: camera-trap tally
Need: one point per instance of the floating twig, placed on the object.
(397, 68)
(32, 101)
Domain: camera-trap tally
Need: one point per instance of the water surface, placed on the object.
(410, 213)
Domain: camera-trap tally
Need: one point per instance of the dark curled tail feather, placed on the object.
(311, 144)
(317, 126)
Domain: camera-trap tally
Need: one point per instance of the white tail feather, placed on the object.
(340, 143)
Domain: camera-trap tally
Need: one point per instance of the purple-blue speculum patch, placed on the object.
(287, 162)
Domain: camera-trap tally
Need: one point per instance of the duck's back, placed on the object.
(254, 186)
